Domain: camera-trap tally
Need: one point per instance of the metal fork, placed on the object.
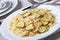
(37, 4)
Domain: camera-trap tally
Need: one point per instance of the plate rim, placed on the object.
(7, 12)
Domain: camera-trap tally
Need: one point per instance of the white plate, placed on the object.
(6, 7)
(9, 35)
(40, 1)
(14, 4)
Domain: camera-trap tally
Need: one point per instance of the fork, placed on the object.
(37, 4)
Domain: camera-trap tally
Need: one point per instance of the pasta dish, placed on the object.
(31, 22)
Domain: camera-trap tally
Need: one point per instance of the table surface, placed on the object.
(21, 4)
